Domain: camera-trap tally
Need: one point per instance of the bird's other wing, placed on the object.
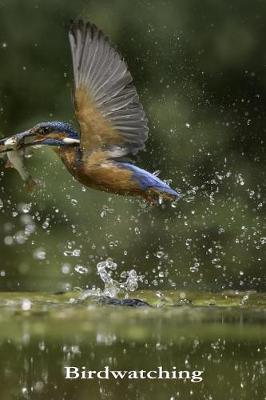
(107, 105)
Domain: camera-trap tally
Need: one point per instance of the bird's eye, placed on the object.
(44, 130)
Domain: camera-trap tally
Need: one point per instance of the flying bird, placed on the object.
(111, 119)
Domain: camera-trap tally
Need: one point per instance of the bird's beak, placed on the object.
(30, 138)
(17, 141)
(26, 138)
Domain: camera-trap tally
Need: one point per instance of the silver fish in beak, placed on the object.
(17, 141)
(14, 148)
(56, 134)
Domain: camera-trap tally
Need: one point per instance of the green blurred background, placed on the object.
(199, 67)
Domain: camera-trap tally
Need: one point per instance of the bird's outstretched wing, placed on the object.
(107, 105)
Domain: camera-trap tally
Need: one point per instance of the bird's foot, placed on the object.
(32, 184)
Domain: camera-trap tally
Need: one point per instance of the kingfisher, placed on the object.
(113, 126)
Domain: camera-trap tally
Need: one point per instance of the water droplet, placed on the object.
(159, 254)
(194, 267)
(72, 253)
(81, 270)
(24, 207)
(26, 305)
(39, 254)
(137, 230)
(74, 202)
(8, 240)
(46, 223)
(66, 268)
(131, 283)
(106, 210)
(263, 240)
(20, 237)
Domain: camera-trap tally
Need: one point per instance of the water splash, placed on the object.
(113, 287)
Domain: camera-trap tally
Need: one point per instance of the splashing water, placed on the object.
(132, 279)
(112, 287)
(104, 270)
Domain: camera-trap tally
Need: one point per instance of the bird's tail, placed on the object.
(161, 192)
(153, 187)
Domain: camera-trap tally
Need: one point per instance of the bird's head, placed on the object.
(53, 133)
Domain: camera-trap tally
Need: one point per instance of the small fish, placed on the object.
(15, 155)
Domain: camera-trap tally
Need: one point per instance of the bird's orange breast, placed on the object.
(100, 173)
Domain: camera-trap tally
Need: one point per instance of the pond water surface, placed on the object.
(222, 335)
